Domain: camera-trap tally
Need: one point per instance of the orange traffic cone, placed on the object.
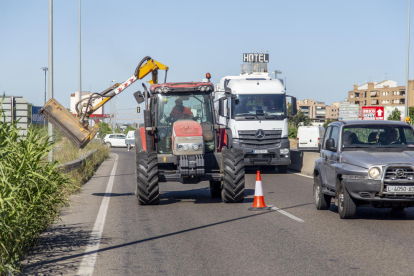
(258, 203)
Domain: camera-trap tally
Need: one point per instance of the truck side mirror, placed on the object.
(139, 97)
(294, 107)
(221, 107)
(330, 144)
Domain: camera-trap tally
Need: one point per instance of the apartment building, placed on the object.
(318, 111)
(383, 93)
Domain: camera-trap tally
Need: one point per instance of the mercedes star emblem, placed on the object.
(260, 134)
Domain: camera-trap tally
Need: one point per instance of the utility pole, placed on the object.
(50, 129)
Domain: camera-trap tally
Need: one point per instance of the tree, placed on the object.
(325, 125)
(300, 118)
(29, 113)
(395, 115)
(129, 128)
(104, 129)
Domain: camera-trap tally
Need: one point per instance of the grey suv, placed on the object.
(365, 163)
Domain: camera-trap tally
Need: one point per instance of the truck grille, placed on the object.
(272, 139)
(395, 174)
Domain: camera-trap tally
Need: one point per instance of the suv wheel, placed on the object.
(322, 201)
(346, 205)
(108, 145)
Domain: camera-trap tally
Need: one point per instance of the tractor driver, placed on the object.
(180, 111)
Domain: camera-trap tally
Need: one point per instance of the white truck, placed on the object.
(254, 107)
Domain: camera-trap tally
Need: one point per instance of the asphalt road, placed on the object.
(190, 233)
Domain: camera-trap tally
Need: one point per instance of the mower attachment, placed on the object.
(68, 124)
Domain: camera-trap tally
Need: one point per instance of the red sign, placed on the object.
(372, 113)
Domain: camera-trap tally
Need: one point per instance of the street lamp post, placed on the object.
(408, 55)
(44, 69)
(276, 72)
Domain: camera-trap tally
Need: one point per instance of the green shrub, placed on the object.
(30, 192)
(293, 132)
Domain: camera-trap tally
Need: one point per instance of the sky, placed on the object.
(321, 47)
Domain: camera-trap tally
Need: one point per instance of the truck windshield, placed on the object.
(386, 136)
(177, 107)
(259, 104)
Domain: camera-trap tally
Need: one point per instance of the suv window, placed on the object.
(334, 135)
(327, 133)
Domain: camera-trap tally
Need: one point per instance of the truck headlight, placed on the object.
(197, 146)
(284, 151)
(374, 172)
(182, 147)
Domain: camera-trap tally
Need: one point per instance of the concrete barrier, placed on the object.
(303, 161)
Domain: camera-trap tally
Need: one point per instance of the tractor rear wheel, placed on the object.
(147, 189)
(233, 176)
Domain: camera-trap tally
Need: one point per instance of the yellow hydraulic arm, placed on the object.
(151, 66)
(76, 128)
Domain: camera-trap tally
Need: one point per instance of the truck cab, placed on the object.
(254, 107)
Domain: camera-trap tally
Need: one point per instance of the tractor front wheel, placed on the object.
(233, 176)
(147, 187)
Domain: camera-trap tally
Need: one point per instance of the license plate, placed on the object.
(400, 189)
(260, 151)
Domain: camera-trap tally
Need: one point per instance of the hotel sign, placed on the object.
(256, 58)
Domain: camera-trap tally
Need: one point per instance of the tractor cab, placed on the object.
(182, 104)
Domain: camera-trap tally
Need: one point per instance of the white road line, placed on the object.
(88, 262)
(286, 213)
(303, 175)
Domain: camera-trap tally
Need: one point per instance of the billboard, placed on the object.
(389, 109)
(348, 111)
(381, 112)
(37, 118)
(373, 113)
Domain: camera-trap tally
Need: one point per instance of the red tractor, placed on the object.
(180, 142)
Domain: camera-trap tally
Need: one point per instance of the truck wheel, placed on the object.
(233, 176)
(282, 168)
(346, 205)
(215, 188)
(147, 189)
(322, 201)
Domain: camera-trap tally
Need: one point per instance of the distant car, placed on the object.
(130, 139)
(310, 137)
(115, 140)
(365, 163)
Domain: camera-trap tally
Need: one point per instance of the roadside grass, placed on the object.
(31, 189)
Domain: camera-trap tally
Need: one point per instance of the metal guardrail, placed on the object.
(70, 166)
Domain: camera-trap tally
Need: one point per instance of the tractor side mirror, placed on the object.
(330, 144)
(221, 107)
(139, 97)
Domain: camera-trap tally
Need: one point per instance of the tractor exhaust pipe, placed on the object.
(79, 134)
(147, 120)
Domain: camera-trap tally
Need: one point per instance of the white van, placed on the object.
(130, 139)
(310, 137)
